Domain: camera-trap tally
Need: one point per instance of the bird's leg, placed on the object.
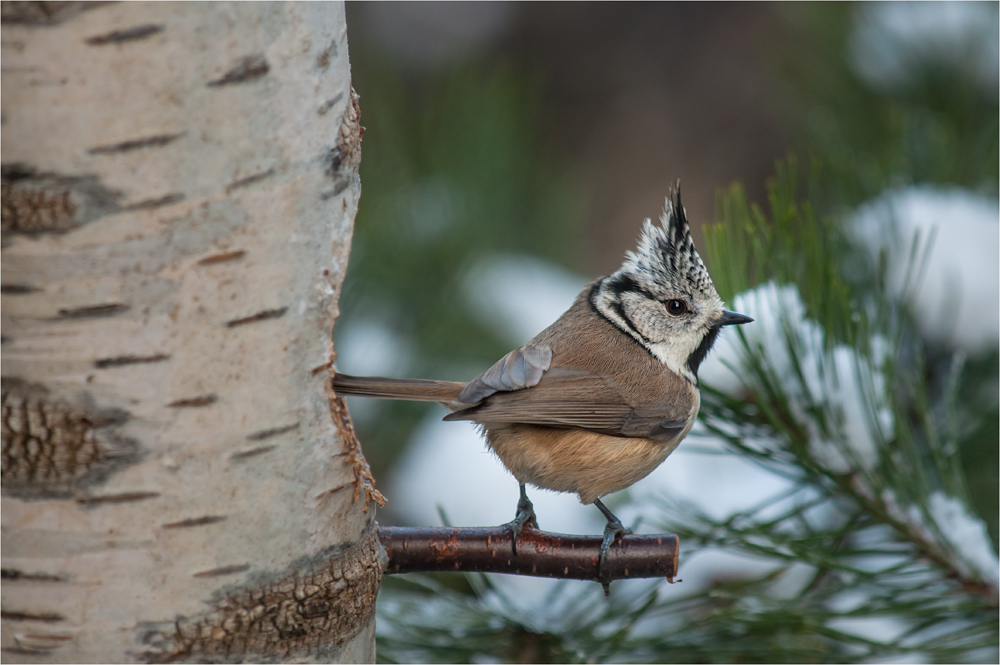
(612, 531)
(525, 516)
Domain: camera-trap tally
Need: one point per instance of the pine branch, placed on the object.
(539, 553)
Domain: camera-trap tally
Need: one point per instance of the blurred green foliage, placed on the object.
(938, 126)
(747, 247)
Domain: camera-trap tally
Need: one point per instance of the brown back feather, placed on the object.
(599, 379)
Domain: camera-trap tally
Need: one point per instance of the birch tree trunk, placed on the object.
(179, 189)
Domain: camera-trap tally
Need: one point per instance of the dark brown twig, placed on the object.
(539, 553)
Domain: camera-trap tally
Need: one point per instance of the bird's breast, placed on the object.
(575, 460)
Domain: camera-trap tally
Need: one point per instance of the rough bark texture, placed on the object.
(179, 188)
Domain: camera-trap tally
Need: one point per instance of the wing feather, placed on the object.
(521, 368)
(576, 398)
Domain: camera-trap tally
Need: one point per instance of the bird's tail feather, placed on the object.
(444, 392)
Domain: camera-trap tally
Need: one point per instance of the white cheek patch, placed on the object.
(609, 308)
(647, 317)
(641, 325)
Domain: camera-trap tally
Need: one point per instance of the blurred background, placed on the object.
(513, 149)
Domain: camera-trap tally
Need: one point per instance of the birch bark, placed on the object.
(179, 189)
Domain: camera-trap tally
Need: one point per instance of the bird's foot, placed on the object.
(525, 517)
(612, 531)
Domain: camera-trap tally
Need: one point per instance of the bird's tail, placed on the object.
(443, 392)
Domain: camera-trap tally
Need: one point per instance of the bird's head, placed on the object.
(664, 297)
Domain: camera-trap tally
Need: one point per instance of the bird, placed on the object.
(600, 398)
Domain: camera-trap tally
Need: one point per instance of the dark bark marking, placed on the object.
(259, 316)
(224, 570)
(325, 107)
(195, 521)
(338, 188)
(253, 452)
(156, 141)
(151, 204)
(334, 490)
(201, 400)
(247, 69)
(53, 449)
(43, 14)
(222, 258)
(323, 60)
(15, 171)
(93, 311)
(48, 617)
(333, 161)
(120, 361)
(249, 180)
(14, 575)
(4, 339)
(268, 433)
(19, 289)
(124, 497)
(308, 609)
(126, 35)
(35, 203)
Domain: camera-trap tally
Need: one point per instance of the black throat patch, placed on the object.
(698, 355)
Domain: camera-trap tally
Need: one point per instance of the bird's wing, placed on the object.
(521, 368)
(564, 397)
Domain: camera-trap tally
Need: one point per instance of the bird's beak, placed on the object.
(733, 319)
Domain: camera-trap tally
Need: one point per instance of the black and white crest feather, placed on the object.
(666, 254)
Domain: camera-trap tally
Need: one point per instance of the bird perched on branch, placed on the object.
(600, 398)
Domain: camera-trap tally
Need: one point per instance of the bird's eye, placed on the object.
(676, 307)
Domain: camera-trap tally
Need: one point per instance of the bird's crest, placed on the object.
(666, 254)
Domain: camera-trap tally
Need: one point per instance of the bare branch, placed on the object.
(539, 553)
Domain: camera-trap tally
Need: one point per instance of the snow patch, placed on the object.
(957, 301)
(967, 536)
(892, 41)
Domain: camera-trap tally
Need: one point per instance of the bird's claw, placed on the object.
(612, 532)
(525, 517)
